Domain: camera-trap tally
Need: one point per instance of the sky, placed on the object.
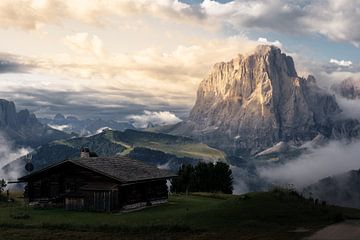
(118, 58)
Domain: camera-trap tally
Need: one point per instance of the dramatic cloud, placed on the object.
(336, 20)
(331, 18)
(87, 82)
(336, 157)
(342, 63)
(33, 14)
(154, 118)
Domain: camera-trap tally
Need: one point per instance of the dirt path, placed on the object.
(349, 230)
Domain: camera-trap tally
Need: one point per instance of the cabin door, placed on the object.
(102, 201)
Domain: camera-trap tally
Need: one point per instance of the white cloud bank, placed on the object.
(7, 155)
(342, 63)
(155, 118)
(332, 159)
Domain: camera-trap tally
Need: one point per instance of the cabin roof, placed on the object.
(123, 169)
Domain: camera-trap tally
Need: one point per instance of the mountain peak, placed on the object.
(59, 116)
(255, 101)
(265, 49)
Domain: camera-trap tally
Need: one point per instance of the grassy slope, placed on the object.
(179, 146)
(261, 216)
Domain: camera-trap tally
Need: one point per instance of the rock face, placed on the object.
(348, 88)
(23, 128)
(253, 102)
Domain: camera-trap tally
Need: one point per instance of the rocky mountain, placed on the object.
(23, 128)
(71, 124)
(256, 101)
(342, 189)
(348, 88)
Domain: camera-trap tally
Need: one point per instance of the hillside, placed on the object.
(265, 215)
(342, 189)
(155, 148)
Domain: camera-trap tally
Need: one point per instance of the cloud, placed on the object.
(60, 127)
(10, 63)
(34, 14)
(8, 154)
(342, 63)
(155, 118)
(100, 130)
(334, 158)
(333, 19)
(107, 104)
(350, 107)
(85, 43)
(336, 20)
(116, 84)
(263, 40)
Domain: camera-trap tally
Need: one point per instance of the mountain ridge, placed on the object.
(23, 128)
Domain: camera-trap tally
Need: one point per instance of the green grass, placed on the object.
(192, 150)
(270, 215)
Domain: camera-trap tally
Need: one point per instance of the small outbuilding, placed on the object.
(98, 184)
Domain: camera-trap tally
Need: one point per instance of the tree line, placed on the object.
(203, 177)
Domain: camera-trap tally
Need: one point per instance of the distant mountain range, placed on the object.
(71, 124)
(24, 129)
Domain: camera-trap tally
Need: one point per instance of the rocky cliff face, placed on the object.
(348, 88)
(253, 102)
(23, 128)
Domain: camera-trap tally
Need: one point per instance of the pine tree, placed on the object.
(204, 177)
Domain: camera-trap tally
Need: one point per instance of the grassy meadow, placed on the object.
(263, 215)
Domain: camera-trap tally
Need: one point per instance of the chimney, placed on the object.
(84, 152)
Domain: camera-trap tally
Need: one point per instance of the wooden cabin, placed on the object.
(98, 184)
